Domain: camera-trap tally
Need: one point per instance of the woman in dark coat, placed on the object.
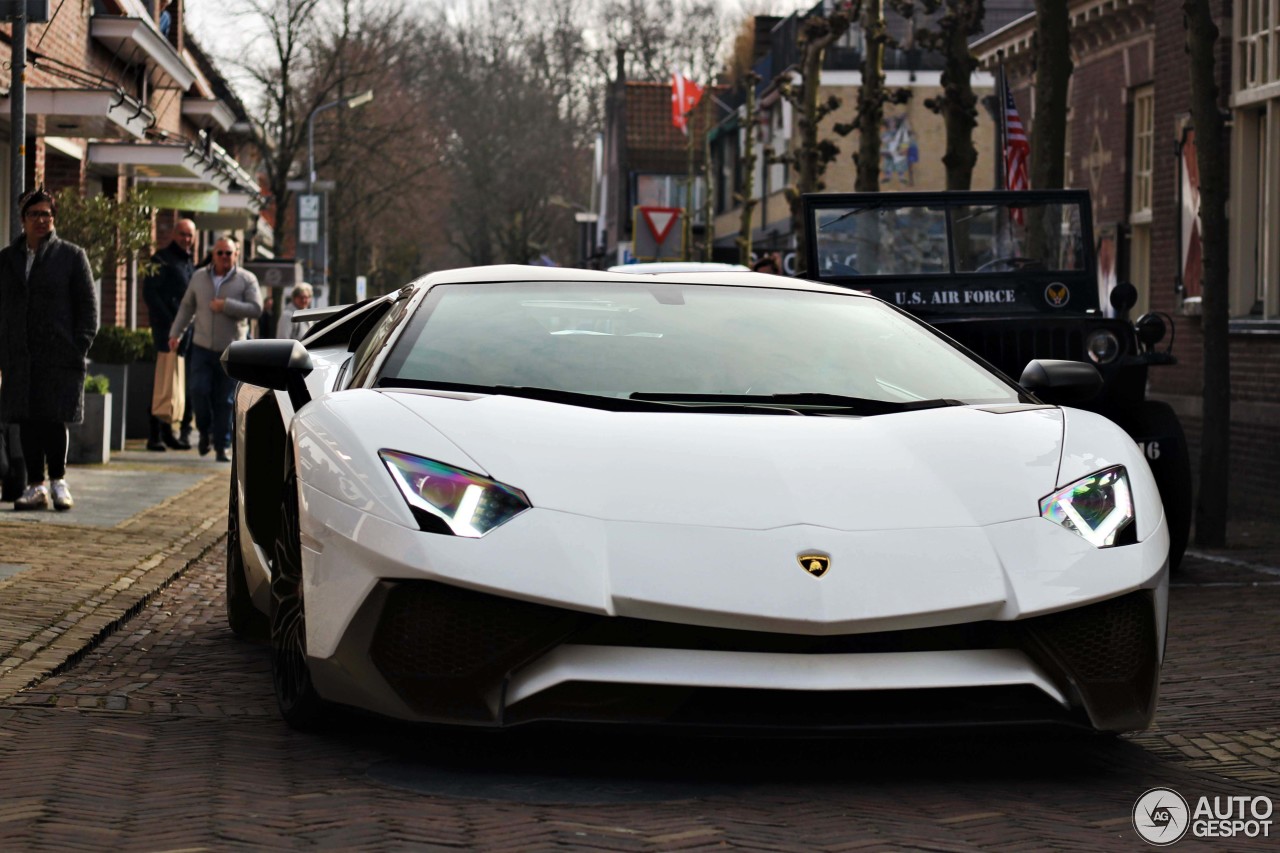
(48, 319)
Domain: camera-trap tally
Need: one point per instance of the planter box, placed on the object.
(89, 442)
(118, 376)
(132, 385)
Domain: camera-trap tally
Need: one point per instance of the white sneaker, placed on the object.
(34, 497)
(61, 495)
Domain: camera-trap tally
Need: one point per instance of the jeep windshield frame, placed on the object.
(971, 253)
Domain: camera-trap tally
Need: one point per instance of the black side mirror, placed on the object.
(281, 365)
(1061, 382)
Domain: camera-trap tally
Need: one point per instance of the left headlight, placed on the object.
(1098, 507)
(449, 500)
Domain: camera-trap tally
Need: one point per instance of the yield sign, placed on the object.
(660, 220)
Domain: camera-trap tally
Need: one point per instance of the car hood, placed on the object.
(947, 467)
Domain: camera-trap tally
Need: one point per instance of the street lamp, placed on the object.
(348, 103)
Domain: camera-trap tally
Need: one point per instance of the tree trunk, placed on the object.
(747, 198)
(1053, 74)
(870, 99)
(811, 156)
(708, 183)
(959, 104)
(1206, 117)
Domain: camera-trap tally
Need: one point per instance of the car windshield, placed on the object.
(887, 239)
(620, 340)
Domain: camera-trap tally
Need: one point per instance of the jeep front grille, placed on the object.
(1009, 345)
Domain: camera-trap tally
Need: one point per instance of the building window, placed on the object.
(1143, 137)
(1255, 212)
(1258, 35)
(1255, 158)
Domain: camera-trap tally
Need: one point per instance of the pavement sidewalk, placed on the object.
(68, 579)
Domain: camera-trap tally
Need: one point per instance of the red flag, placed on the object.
(685, 95)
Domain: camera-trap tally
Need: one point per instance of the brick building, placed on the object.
(645, 161)
(1130, 142)
(118, 96)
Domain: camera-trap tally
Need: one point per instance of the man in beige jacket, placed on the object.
(221, 299)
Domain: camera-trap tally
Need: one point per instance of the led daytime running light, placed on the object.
(467, 504)
(1098, 507)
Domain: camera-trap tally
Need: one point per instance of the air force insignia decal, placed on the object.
(814, 564)
(1057, 294)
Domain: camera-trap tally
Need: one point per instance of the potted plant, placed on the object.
(89, 442)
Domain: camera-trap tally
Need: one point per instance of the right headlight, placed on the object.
(1099, 507)
(1103, 346)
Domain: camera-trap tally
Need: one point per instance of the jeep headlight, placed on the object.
(1098, 507)
(1103, 346)
(450, 500)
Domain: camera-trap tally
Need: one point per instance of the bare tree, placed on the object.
(378, 50)
(1206, 117)
(291, 81)
(1053, 75)
(949, 36)
(747, 196)
(871, 98)
(511, 153)
(660, 36)
(811, 156)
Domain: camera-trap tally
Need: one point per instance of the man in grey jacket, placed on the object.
(221, 299)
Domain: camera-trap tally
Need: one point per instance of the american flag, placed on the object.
(1016, 148)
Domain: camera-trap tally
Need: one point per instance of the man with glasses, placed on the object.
(163, 291)
(221, 300)
(48, 319)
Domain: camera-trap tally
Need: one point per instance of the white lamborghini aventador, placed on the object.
(506, 495)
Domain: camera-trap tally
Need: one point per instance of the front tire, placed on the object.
(300, 704)
(246, 621)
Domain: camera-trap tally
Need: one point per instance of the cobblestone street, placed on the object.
(165, 737)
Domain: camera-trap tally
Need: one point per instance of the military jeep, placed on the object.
(1013, 277)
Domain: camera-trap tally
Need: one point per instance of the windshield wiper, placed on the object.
(591, 401)
(817, 402)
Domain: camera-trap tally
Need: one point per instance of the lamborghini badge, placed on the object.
(815, 564)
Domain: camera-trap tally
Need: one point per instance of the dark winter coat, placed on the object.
(46, 326)
(163, 291)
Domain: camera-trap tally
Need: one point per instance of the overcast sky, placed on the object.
(226, 34)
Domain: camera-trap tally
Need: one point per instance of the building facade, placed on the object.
(119, 97)
(1131, 143)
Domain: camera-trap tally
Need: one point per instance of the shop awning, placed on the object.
(178, 198)
(232, 212)
(84, 113)
(134, 39)
(208, 112)
(176, 164)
